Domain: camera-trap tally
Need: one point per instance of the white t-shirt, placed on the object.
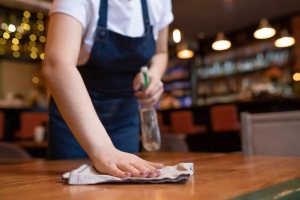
(124, 17)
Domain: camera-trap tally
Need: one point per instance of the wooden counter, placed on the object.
(217, 176)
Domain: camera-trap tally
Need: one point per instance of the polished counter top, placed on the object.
(217, 176)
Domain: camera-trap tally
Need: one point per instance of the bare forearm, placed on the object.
(158, 64)
(75, 105)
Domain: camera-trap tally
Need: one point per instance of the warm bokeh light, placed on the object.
(3, 26)
(296, 76)
(285, 42)
(6, 35)
(42, 56)
(25, 26)
(20, 29)
(33, 55)
(16, 54)
(221, 45)
(2, 52)
(26, 14)
(264, 33)
(2, 41)
(185, 54)
(43, 39)
(176, 36)
(11, 28)
(34, 49)
(32, 43)
(40, 16)
(15, 41)
(35, 80)
(18, 35)
(41, 27)
(15, 47)
(25, 20)
(40, 22)
(32, 37)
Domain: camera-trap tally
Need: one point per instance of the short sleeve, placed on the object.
(167, 15)
(77, 9)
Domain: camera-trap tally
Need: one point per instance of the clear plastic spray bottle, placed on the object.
(150, 130)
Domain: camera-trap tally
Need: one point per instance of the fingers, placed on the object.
(150, 101)
(137, 82)
(126, 167)
(145, 170)
(154, 86)
(156, 165)
(115, 171)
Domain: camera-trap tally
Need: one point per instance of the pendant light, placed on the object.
(285, 41)
(184, 52)
(264, 30)
(176, 35)
(221, 43)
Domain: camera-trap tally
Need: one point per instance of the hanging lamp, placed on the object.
(264, 30)
(221, 43)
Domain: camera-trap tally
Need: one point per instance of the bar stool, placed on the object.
(28, 121)
(182, 122)
(226, 128)
(224, 118)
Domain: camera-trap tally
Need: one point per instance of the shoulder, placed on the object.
(78, 9)
(161, 11)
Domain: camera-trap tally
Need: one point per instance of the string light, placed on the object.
(2, 41)
(25, 20)
(25, 26)
(32, 37)
(11, 28)
(42, 56)
(18, 35)
(6, 35)
(33, 55)
(32, 43)
(34, 49)
(40, 22)
(42, 39)
(15, 47)
(15, 41)
(35, 80)
(3, 26)
(26, 14)
(40, 15)
(16, 54)
(2, 52)
(20, 29)
(41, 27)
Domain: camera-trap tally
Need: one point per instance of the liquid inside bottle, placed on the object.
(150, 130)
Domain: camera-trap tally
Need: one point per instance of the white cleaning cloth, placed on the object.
(86, 174)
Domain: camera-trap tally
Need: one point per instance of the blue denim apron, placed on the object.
(108, 76)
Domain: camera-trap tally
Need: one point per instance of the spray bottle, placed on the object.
(150, 130)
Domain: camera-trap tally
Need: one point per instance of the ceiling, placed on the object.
(212, 16)
(203, 16)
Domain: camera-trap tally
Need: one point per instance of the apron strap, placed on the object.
(103, 13)
(102, 22)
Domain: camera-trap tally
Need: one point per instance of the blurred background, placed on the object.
(236, 53)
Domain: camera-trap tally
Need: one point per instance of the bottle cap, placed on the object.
(144, 69)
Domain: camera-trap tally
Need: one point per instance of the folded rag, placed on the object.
(86, 174)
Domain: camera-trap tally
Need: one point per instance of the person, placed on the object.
(93, 56)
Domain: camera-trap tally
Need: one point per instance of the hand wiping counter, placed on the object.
(87, 175)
